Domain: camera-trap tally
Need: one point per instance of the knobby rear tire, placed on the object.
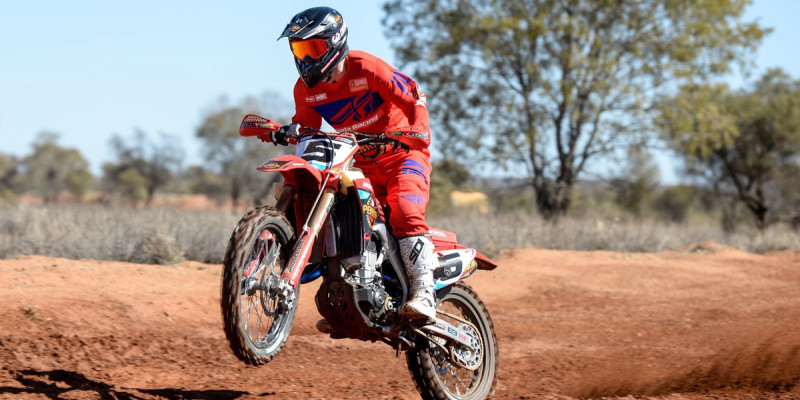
(238, 254)
(422, 359)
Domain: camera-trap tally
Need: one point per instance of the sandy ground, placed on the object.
(711, 323)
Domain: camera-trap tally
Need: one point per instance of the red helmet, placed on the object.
(318, 40)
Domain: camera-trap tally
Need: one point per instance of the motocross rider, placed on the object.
(356, 91)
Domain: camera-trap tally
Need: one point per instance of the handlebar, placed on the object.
(254, 125)
(370, 139)
(367, 137)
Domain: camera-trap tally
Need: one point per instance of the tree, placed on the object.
(212, 185)
(234, 157)
(637, 182)
(674, 202)
(154, 164)
(51, 169)
(544, 86)
(132, 185)
(8, 174)
(787, 199)
(739, 141)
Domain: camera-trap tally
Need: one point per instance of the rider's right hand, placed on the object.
(279, 137)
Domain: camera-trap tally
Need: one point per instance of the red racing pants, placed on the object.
(402, 181)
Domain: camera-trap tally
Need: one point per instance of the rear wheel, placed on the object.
(256, 320)
(436, 374)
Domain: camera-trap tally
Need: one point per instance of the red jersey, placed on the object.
(372, 97)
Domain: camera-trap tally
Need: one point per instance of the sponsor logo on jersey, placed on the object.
(402, 82)
(317, 97)
(353, 110)
(414, 198)
(358, 84)
(360, 125)
(414, 168)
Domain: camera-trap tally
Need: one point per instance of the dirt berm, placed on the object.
(707, 323)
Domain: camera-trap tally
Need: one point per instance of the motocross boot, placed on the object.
(417, 255)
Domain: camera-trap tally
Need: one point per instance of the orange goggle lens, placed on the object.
(314, 48)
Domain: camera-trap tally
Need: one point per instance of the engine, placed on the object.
(353, 298)
(365, 277)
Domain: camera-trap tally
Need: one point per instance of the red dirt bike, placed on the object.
(327, 223)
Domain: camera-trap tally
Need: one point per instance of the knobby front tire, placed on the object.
(255, 324)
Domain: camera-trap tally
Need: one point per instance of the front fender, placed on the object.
(293, 169)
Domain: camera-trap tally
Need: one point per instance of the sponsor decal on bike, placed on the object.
(364, 194)
(452, 331)
(265, 125)
(371, 212)
(295, 256)
(272, 165)
(345, 140)
(433, 232)
(470, 269)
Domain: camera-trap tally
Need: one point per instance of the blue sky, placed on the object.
(89, 69)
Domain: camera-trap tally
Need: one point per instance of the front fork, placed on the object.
(290, 278)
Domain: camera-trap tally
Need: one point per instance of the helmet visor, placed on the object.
(314, 48)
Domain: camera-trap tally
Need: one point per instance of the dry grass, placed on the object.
(492, 233)
(166, 235)
(157, 235)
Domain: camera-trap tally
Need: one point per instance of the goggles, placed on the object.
(314, 48)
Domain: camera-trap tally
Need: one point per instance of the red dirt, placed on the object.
(709, 323)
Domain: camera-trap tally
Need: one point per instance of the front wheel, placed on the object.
(257, 320)
(436, 374)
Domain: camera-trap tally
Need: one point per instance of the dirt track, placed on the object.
(718, 324)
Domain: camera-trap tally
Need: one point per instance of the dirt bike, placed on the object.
(327, 223)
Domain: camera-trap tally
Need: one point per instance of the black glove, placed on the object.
(279, 137)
